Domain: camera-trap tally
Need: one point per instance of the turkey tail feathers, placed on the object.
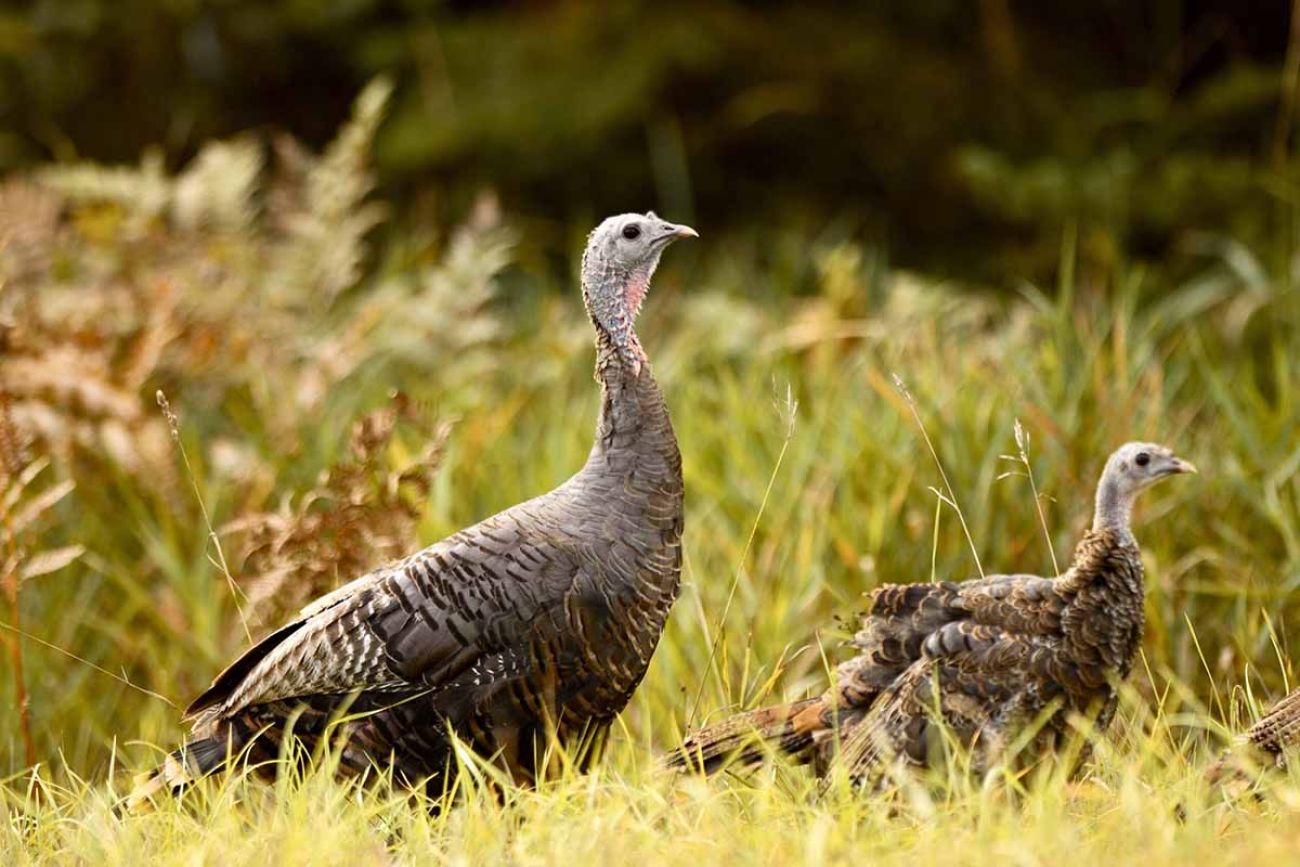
(182, 767)
(747, 737)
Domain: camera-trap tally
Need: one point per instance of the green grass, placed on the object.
(1127, 811)
(808, 483)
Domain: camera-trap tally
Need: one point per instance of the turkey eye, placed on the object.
(1142, 459)
(631, 232)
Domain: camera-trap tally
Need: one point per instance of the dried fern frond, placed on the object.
(324, 220)
(143, 194)
(229, 284)
(29, 228)
(362, 512)
(218, 189)
(444, 311)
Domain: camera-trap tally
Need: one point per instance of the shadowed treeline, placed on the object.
(960, 136)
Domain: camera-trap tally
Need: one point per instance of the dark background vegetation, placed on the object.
(961, 135)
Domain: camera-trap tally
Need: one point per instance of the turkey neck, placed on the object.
(1106, 582)
(1111, 540)
(633, 422)
(1114, 510)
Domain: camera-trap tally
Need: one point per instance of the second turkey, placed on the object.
(983, 659)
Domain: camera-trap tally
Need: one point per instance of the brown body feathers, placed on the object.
(985, 658)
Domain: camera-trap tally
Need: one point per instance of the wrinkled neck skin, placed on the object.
(1114, 510)
(613, 298)
(632, 412)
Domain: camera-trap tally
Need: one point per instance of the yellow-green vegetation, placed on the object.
(337, 391)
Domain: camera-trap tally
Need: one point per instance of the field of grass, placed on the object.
(143, 547)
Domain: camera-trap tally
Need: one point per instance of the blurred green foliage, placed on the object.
(961, 135)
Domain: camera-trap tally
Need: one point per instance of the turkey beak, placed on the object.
(672, 232)
(1176, 466)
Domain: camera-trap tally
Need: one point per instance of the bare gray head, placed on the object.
(1132, 468)
(621, 256)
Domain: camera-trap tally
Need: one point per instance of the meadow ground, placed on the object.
(249, 294)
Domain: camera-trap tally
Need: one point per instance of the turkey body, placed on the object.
(542, 616)
(981, 662)
(1270, 742)
(985, 657)
(530, 628)
(992, 657)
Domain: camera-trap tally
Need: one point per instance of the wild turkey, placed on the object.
(1264, 744)
(995, 653)
(534, 624)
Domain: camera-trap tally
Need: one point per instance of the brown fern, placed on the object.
(361, 512)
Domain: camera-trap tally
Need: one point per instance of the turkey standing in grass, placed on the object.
(528, 629)
(1265, 744)
(991, 655)
(1278, 730)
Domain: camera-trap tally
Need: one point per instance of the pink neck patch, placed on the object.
(637, 284)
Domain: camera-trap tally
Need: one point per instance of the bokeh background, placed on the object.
(340, 237)
(955, 135)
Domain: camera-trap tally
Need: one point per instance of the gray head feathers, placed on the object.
(1131, 469)
(621, 256)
